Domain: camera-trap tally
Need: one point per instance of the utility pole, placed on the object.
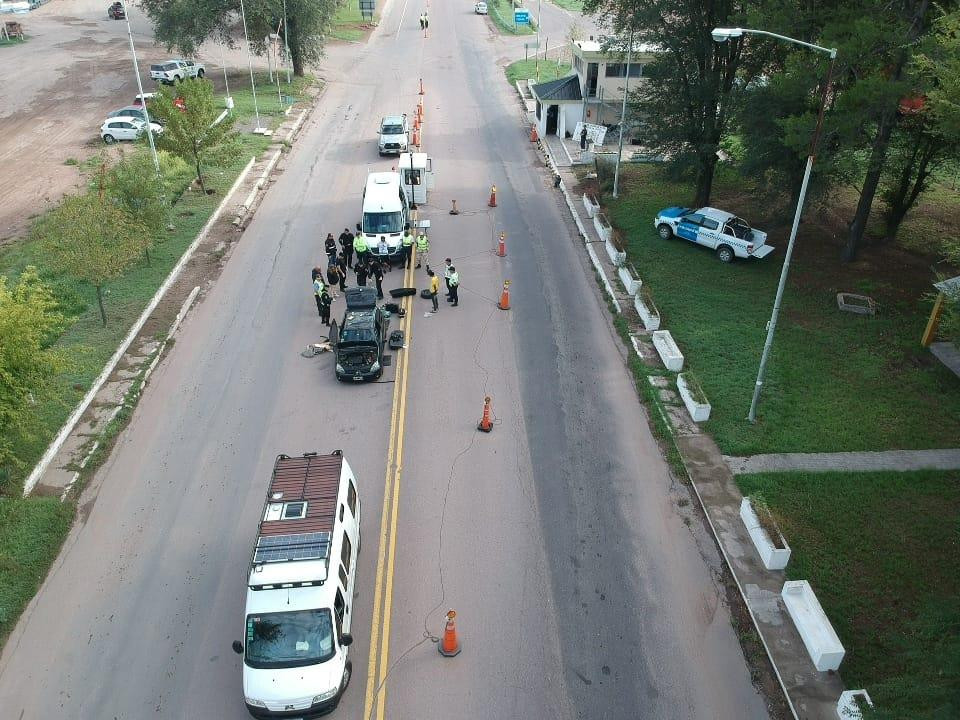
(623, 117)
(253, 85)
(136, 71)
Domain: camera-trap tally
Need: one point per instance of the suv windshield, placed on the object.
(392, 130)
(383, 222)
(289, 639)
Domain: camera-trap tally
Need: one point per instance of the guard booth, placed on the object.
(417, 172)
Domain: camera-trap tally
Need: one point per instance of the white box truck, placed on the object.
(300, 589)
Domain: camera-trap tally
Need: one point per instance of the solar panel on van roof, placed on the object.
(286, 548)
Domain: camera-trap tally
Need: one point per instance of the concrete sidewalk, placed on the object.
(897, 460)
(811, 695)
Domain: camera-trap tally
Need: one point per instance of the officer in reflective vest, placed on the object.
(361, 248)
(423, 247)
(407, 243)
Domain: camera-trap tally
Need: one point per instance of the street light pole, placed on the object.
(286, 46)
(136, 71)
(253, 85)
(537, 54)
(623, 118)
(721, 35)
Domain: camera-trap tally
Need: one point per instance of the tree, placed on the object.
(903, 27)
(132, 184)
(689, 93)
(186, 24)
(191, 131)
(29, 324)
(929, 129)
(93, 239)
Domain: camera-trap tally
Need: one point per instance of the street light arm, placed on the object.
(736, 32)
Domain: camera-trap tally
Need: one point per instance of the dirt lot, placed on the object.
(56, 90)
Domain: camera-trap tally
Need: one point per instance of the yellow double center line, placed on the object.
(383, 593)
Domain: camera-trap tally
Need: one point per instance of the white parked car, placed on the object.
(175, 70)
(480, 8)
(125, 127)
(724, 232)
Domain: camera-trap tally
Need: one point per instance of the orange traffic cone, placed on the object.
(453, 210)
(449, 646)
(485, 425)
(416, 137)
(504, 303)
(493, 196)
(534, 137)
(421, 86)
(502, 246)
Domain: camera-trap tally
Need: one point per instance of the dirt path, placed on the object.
(57, 88)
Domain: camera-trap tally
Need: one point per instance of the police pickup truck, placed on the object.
(724, 232)
(175, 70)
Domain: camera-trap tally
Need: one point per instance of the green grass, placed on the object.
(32, 529)
(501, 11)
(348, 23)
(13, 41)
(31, 533)
(835, 381)
(527, 69)
(882, 552)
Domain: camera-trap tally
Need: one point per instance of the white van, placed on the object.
(300, 589)
(385, 208)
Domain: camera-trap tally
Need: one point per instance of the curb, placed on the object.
(41, 467)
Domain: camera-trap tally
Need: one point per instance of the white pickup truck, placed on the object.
(173, 71)
(731, 237)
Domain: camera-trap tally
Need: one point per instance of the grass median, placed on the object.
(881, 552)
(32, 529)
(501, 12)
(835, 381)
(348, 24)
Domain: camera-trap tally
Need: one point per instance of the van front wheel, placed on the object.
(347, 673)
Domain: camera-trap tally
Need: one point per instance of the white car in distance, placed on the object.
(480, 8)
(125, 127)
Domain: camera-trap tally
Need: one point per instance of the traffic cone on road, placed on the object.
(534, 136)
(493, 196)
(449, 645)
(486, 425)
(416, 137)
(453, 210)
(502, 245)
(504, 303)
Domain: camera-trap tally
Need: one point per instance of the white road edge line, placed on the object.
(41, 467)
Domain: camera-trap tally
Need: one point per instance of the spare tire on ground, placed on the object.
(396, 340)
(425, 294)
(402, 292)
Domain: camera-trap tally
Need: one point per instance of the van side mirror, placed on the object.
(238, 647)
(346, 639)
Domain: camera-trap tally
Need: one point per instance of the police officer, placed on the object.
(407, 245)
(360, 245)
(323, 303)
(346, 243)
(330, 246)
(376, 269)
(454, 286)
(423, 247)
(448, 266)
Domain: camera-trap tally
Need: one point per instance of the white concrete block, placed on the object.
(649, 315)
(699, 410)
(630, 283)
(773, 558)
(616, 257)
(669, 352)
(590, 206)
(847, 705)
(819, 637)
(602, 226)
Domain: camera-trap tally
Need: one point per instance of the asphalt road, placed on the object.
(580, 590)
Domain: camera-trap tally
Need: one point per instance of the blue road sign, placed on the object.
(521, 16)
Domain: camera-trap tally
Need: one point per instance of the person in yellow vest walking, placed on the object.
(407, 244)
(423, 247)
(361, 248)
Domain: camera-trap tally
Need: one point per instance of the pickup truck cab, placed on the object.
(359, 341)
(724, 232)
(176, 70)
(393, 135)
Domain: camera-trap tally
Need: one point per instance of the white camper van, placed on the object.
(385, 207)
(300, 589)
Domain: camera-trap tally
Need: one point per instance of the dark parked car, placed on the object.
(360, 340)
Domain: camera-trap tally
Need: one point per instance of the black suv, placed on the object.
(360, 340)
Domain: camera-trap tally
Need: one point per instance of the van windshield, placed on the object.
(289, 639)
(382, 222)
